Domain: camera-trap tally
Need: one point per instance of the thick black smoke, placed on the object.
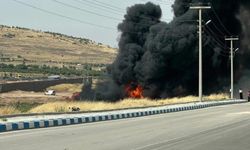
(163, 57)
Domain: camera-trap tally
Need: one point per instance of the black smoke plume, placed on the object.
(163, 57)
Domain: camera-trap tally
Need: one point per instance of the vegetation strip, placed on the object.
(62, 107)
(114, 116)
(80, 112)
(83, 112)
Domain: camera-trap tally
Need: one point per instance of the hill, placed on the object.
(22, 45)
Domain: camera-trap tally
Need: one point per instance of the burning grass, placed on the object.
(127, 103)
(134, 92)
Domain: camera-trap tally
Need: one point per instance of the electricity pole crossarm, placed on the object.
(200, 8)
(232, 39)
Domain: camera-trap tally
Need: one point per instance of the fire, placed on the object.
(134, 91)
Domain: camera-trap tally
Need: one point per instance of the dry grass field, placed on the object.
(8, 110)
(127, 103)
(63, 106)
(38, 47)
(22, 101)
(63, 91)
(72, 88)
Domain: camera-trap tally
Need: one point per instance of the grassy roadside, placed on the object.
(63, 106)
(8, 110)
(127, 103)
(17, 108)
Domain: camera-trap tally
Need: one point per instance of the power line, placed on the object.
(83, 22)
(62, 16)
(108, 5)
(158, 1)
(73, 19)
(213, 42)
(223, 55)
(216, 45)
(74, 7)
(114, 8)
(87, 11)
(100, 7)
(214, 36)
(218, 42)
(116, 11)
(216, 27)
(218, 18)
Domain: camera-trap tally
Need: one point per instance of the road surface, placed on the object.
(217, 128)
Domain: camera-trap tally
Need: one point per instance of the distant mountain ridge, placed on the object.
(25, 45)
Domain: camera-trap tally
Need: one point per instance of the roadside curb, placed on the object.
(13, 126)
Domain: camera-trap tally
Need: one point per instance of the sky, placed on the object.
(93, 19)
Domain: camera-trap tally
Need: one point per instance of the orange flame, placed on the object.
(134, 92)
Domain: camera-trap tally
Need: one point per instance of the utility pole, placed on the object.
(232, 39)
(200, 8)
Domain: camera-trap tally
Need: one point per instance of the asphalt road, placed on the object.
(217, 128)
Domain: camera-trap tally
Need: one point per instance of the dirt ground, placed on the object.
(31, 97)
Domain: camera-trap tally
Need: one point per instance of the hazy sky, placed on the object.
(93, 19)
